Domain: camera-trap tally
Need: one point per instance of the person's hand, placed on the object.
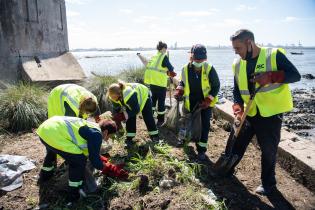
(206, 102)
(238, 112)
(179, 92)
(264, 78)
(114, 171)
(104, 159)
(171, 74)
(120, 117)
(97, 118)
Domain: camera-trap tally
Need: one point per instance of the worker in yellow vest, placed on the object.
(158, 69)
(72, 100)
(199, 87)
(75, 139)
(269, 69)
(129, 99)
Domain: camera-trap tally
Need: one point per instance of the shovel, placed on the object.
(227, 160)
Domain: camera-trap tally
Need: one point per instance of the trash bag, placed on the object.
(172, 117)
(192, 124)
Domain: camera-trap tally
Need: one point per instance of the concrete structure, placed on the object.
(31, 32)
(295, 154)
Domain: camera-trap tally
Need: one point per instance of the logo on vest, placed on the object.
(260, 66)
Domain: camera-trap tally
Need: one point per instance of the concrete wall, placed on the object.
(30, 28)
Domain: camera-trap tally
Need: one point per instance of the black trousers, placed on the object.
(131, 124)
(158, 96)
(77, 163)
(267, 131)
(205, 129)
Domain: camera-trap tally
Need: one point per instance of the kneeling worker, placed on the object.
(75, 139)
(74, 101)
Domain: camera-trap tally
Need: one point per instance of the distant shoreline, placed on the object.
(182, 48)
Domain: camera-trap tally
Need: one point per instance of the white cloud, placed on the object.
(126, 11)
(72, 13)
(77, 1)
(243, 7)
(290, 19)
(146, 19)
(229, 22)
(195, 13)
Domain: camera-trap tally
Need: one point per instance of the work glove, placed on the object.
(179, 92)
(206, 102)
(171, 74)
(268, 77)
(104, 159)
(112, 170)
(238, 112)
(120, 117)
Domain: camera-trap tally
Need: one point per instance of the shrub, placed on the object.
(23, 107)
(133, 74)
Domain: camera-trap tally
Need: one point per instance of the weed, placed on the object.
(23, 107)
(133, 74)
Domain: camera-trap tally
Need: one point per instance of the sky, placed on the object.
(142, 23)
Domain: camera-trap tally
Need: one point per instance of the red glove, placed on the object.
(238, 111)
(206, 102)
(268, 77)
(104, 159)
(114, 171)
(179, 92)
(171, 74)
(119, 117)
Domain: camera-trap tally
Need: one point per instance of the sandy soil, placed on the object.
(238, 191)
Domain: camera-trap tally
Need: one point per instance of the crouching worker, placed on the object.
(198, 88)
(75, 139)
(74, 101)
(134, 98)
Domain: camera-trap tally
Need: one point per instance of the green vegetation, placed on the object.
(133, 74)
(23, 107)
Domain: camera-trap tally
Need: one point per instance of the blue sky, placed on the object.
(135, 23)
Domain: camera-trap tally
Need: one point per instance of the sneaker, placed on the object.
(265, 190)
(201, 156)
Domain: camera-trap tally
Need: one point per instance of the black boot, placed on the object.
(44, 176)
(73, 194)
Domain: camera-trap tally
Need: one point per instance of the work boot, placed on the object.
(201, 156)
(129, 144)
(261, 190)
(155, 139)
(44, 176)
(73, 195)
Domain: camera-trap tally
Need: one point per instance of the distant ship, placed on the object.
(298, 53)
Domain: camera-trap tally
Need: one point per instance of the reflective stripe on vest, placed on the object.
(62, 133)
(271, 99)
(205, 84)
(70, 93)
(142, 94)
(155, 73)
(202, 144)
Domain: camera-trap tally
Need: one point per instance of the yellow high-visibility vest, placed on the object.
(70, 93)
(155, 73)
(62, 133)
(142, 95)
(205, 84)
(271, 99)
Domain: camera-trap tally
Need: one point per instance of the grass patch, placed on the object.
(133, 74)
(23, 107)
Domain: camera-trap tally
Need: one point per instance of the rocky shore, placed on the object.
(301, 119)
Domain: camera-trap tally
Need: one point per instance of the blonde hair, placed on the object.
(115, 88)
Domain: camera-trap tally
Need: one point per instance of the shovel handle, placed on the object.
(249, 104)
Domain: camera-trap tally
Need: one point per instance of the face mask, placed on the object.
(249, 55)
(198, 65)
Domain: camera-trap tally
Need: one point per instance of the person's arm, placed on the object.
(291, 74)
(94, 141)
(166, 63)
(237, 99)
(68, 111)
(116, 107)
(132, 106)
(215, 82)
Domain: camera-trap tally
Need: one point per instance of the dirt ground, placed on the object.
(238, 191)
